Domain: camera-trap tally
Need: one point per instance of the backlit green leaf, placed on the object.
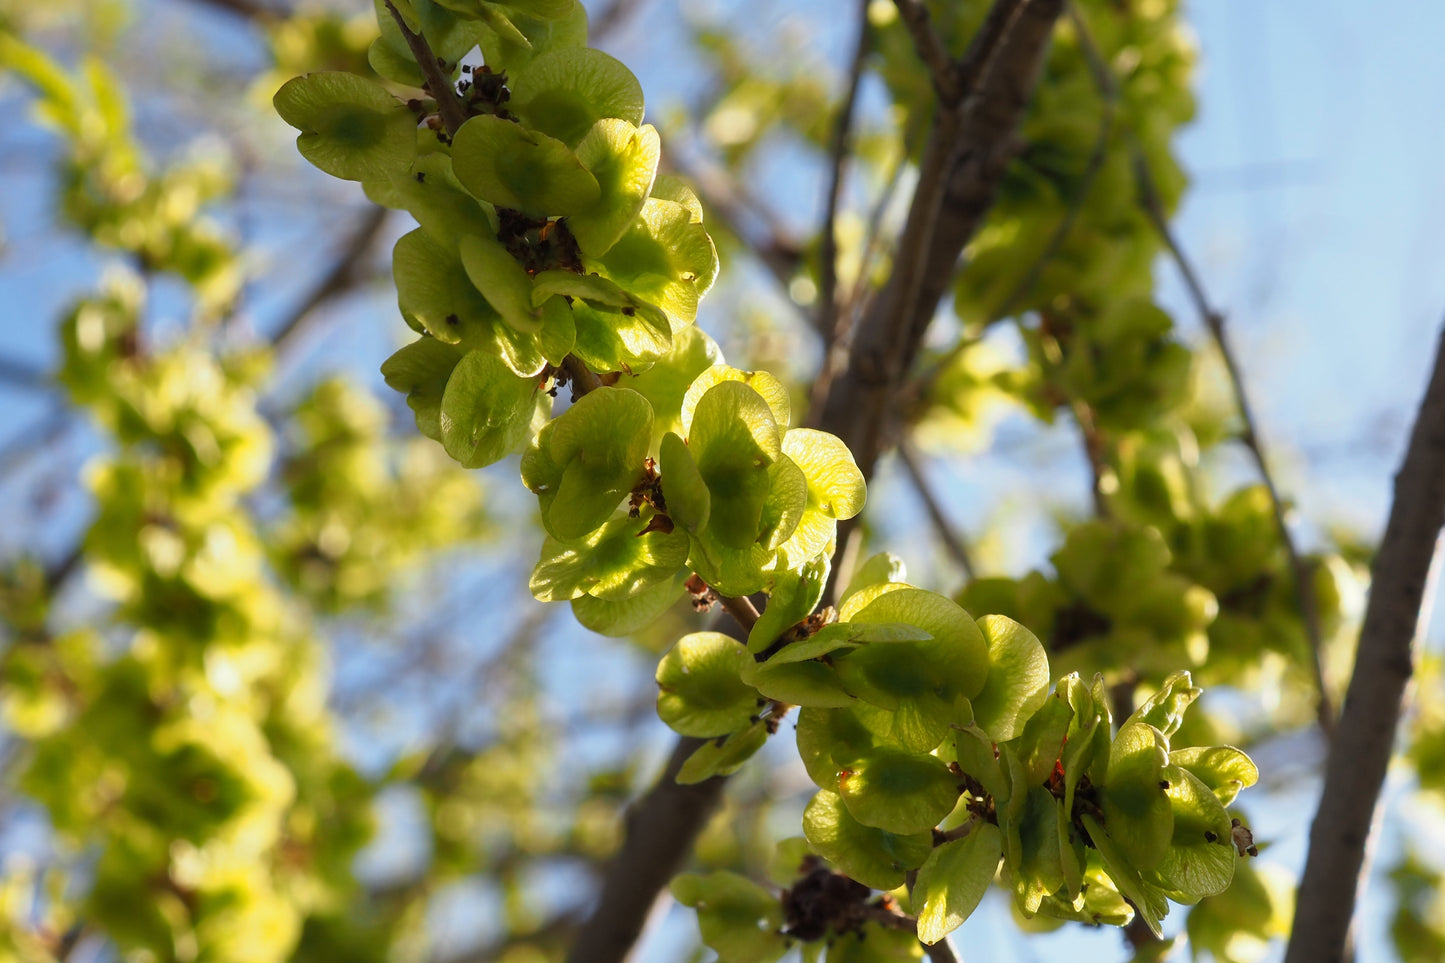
(901, 792)
(626, 616)
(351, 127)
(430, 287)
(421, 371)
(872, 856)
(486, 410)
(564, 92)
(699, 692)
(739, 919)
(1200, 859)
(883, 568)
(734, 439)
(1224, 769)
(1018, 678)
(502, 281)
(810, 684)
(666, 258)
(688, 501)
(828, 740)
(624, 159)
(613, 562)
(665, 384)
(773, 391)
(508, 165)
(724, 755)
(1135, 799)
(599, 443)
(953, 879)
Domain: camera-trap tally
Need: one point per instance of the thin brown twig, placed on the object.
(826, 319)
(22, 375)
(1363, 743)
(962, 167)
(33, 439)
(964, 164)
(659, 830)
(1109, 97)
(342, 276)
(449, 106)
(1250, 436)
(741, 608)
(942, 527)
(941, 67)
(612, 19)
(923, 383)
(858, 298)
(872, 238)
(1094, 451)
(731, 204)
(263, 13)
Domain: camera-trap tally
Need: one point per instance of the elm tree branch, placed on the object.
(1108, 92)
(734, 206)
(941, 68)
(262, 13)
(439, 85)
(1214, 322)
(942, 527)
(22, 375)
(344, 274)
(1361, 748)
(963, 166)
(826, 320)
(1109, 96)
(659, 830)
(741, 608)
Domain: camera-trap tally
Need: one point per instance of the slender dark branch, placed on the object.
(34, 439)
(438, 84)
(58, 574)
(835, 354)
(826, 319)
(1214, 321)
(730, 203)
(923, 383)
(941, 68)
(942, 527)
(344, 274)
(1109, 96)
(251, 9)
(1362, 745)
(1094, 451)
(940, 952)
(613, 18)
(871, 238)
(1138, 934)
(962, 167)
(22, 375)
(660, 828)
